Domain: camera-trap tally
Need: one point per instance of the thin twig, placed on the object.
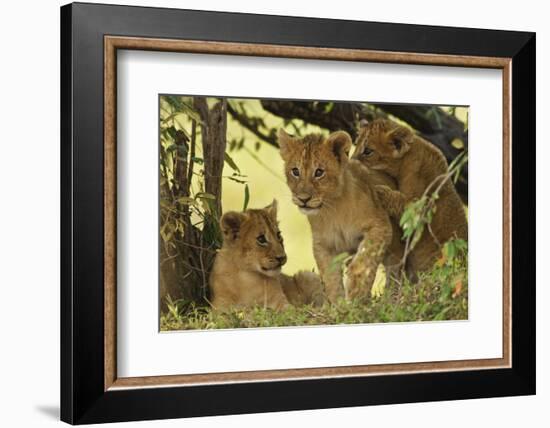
(198, 247)
(204, 284)
(167, 259)
(262, 163)
(191, 154)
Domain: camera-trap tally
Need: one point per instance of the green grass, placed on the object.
(441, 294)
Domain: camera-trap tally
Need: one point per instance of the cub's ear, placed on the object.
(286, 143)
(400, 140)
(272, 209)
(340, 144)
(231, 223)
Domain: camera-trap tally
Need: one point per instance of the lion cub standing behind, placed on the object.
(414, 163)
(247, 269)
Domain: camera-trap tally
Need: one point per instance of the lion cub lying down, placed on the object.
(383, 145)
(247, 269)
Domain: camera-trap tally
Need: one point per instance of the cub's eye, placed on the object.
(261, 240)
(295, 172)
(319, 173)
(279, 237)
(367, 151)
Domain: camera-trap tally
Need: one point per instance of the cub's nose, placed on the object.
(281, 260)
(303, 198)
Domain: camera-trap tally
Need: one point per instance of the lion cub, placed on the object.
(414, 163)
(343, 210)
(247, 269)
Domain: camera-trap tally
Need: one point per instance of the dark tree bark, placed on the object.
(341, 116)
(214, 131)
(244, 120)
(214, 141)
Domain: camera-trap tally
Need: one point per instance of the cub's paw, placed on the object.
(387, 196)
(380, 281)
(383, 191)
(333, 291)
(356, 281)
(312, 287)
(392, 201)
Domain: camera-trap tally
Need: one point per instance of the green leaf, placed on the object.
(461, 244)
(171, 148)
(417, 235)
(183, 150)
(406, 218)
(192, 113)
(441, 314)
(246, 197)
(229, 161)
(450, 250)
(198, 160)
(181, 106)
(236, 180)
(186, 200)
(167, 231)
(165, 204)
(204, 195)
(172, 132)
(337, 260)
(174, 101)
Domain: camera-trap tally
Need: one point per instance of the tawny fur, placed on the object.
(343, 210)
(247, 273)
(303, 288)
(414, 163)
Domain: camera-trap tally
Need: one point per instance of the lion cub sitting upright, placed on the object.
(383, 145)
(343, 210)
(247, 269)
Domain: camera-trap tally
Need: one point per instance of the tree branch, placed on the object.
(432, 123)
(243, 119)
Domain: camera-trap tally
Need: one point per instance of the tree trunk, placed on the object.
(214, 132)
(187, 259)
(214, 140)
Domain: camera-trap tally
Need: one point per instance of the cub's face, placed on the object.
(254, 238)
(314, 168)
(382, 144)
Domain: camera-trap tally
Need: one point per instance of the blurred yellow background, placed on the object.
(266, 181)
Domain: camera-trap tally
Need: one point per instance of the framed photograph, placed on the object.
(266, 213)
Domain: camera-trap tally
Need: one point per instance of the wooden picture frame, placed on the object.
(90, 389)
